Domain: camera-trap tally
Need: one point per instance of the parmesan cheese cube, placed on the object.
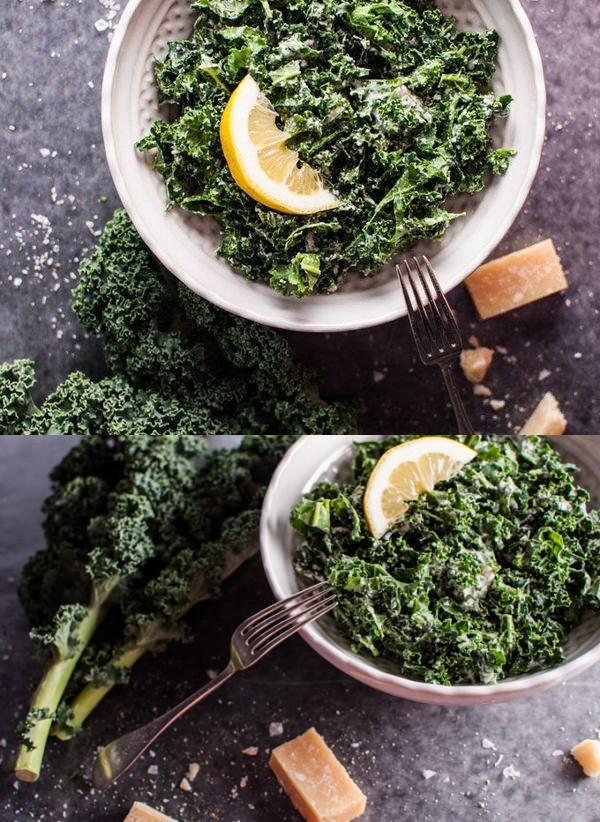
(547, 418)
(587, 753)
(516, 279)
(318, 785)
(475, 362)
(143, 813)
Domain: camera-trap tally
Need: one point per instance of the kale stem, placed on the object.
(91, 696)
(48, 695)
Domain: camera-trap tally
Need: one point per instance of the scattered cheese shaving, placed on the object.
(143, 813)
(510, 772)
(185, 784)
(587, 753)
(192, 771)
(251, 751)
(516, 279)
(427, 774)
(317, 784)
(475, 363)
(481, 391)
(547, 418)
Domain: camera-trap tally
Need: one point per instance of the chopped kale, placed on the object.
(482, 579)
(388, 101)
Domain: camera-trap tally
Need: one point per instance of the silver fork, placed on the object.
(434, 328)
(251, 640)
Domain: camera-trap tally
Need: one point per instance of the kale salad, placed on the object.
(389, 102)
(482, 579)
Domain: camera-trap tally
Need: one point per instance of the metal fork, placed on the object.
(251, 640)
(434, 327)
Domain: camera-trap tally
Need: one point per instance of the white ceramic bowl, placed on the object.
(186, 244)
(314, 458)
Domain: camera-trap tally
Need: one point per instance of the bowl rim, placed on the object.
(265, 313)
(354, 665)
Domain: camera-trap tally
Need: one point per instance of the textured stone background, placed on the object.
(54, 181)
(389, 745)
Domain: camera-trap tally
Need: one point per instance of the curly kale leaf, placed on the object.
(16, 403)
(483, 578)
(215, 531)
(180, 365)
(389, 102)
(112, 514)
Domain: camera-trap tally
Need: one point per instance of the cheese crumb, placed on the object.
(481, 391)
(192, 771)
(275, 728)
(475, 363)
(153, 770)
(251, 751)
(516, 279)
(547, 418)
(510, 772)
(487, 743)
(587, 753)
(427, 774)
(185, 785)
(497, 405)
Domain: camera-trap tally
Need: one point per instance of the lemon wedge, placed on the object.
(407, 470)
(260, 161)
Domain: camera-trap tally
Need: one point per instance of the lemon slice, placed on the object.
(407, 470)
(260, 161)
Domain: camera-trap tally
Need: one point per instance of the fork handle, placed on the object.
(462, 420)
(120, 755)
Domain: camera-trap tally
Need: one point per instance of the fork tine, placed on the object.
(443, 301)
(292, 625)
(275, 618)
(441, 318)
(278, 607)
(414, 316)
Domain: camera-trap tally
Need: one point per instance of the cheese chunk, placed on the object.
(547, 418)
(143, 813)
(475, 362)
(587, 753)
(516, 279)
(318, 785)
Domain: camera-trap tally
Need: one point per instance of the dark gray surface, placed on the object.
(387, 744)
(52, 54)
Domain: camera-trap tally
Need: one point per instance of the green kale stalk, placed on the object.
(178, 363)
(110, 514)
(221, 528)
(482, 579)
(389, 102)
